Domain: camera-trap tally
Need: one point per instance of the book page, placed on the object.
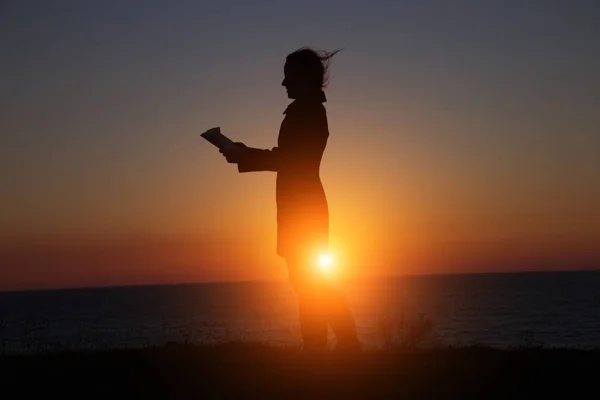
(216, 138)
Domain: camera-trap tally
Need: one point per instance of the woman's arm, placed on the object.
(304, 140)
(255, 160)
(250, 159)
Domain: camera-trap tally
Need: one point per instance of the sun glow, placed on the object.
(325, 263)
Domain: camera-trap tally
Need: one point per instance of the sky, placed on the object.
(464, 137)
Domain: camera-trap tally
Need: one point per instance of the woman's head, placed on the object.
(305, 71)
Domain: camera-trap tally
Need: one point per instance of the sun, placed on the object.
(325, 263)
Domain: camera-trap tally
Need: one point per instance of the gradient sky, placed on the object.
(465, 137)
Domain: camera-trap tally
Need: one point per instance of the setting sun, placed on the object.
(325, 263)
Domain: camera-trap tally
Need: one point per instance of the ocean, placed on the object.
(554, 309)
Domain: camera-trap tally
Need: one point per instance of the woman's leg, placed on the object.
(340, 318)
(311, 295)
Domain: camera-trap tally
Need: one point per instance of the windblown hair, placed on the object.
(313, 64)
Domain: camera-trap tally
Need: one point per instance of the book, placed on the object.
(217, 139)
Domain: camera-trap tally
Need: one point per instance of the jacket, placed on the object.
(302, 210)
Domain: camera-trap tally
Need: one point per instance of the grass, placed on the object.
(413, 362)
(254, 370)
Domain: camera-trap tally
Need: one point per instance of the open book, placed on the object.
(215, 137)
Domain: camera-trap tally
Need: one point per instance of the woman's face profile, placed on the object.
(292, 81)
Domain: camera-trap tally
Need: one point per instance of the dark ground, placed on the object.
(256, 371)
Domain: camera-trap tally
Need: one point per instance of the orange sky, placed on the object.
(466, 148)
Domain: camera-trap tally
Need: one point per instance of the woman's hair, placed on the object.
(313, 65)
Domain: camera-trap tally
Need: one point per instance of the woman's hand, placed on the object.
(235, 153)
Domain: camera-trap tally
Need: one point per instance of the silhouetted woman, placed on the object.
(302, 211)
